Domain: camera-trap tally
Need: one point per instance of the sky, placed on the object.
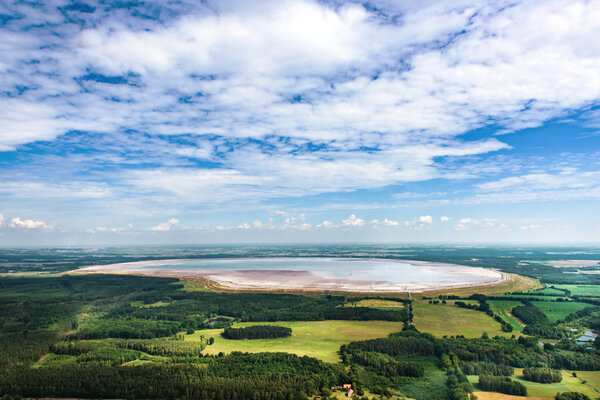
(182, 122)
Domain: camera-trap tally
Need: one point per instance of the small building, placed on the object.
(347, 386)
(350, 393)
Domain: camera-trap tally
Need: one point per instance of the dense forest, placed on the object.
(257, 332)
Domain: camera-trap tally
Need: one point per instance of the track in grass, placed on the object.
(319, 339)
(503, 308)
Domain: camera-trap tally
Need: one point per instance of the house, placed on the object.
(350, 393)
(347, 386)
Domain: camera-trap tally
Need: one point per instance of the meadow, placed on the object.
(449, 320)
(582, 290)
(319, 339)
(555, 310)
(503, 308)
(569, 383)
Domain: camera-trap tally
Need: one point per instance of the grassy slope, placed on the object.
(320, 339)
(503, 308)
(446, 319)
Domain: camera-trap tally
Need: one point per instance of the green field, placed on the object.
(549, 291)
(558, 310)
(582, 290)
(320, 339)
(376, 303)
(548, 390)
(446, 319)
(503, 308)
(592, 379)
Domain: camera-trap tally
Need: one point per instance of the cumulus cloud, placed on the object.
(1, 219)
(385, 222)
(352, 220)
(426, 219)
(325, 224)
(465, 220)
(445, 219)
(166, 226)
(27, 224)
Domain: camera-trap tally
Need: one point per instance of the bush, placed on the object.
(542, 375)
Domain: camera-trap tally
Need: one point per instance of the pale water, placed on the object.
(392, 271)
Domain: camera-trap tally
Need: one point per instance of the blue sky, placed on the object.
(125, 122)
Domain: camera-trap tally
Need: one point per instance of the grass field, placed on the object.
(500, 396)
(503, 308)
(550, 291)
(320, 339)
(376, 303)
(558, 310)
(514, 283)
(446, 319)
(547, 390)
(582, 290)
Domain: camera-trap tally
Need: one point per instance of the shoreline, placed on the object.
(301, 280)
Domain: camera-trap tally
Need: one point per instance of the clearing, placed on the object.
(556, 310)
(446, 319)
(319, 339)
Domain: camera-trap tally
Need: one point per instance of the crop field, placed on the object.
(569, 383)
(500, 396)
(446, 319)
(582, 290)
(503, 308)
(320, 339)
(558, 310)
(376, 303)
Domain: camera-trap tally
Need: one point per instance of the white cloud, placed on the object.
(1, 219)
(460, 227)
(426, 219)
(529, 227)
(385, 222)
(465, 220)
(166, 226)
(445, 219)
(244, 226)
(27, 224)
(352, 220)
(325, 224)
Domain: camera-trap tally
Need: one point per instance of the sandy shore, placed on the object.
(277, 279)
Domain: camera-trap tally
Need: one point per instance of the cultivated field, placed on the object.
(320, 339)
(447, 319)
(558, 310)
(582, 290)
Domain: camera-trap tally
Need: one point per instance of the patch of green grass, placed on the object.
(140, 303)
(503, 309)
(54, 360)
(376, 303)
(320, 339)
(568, 384)
(592, 379)
(582, 290)
(555, 310)
(549, 291)
(446, 319)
